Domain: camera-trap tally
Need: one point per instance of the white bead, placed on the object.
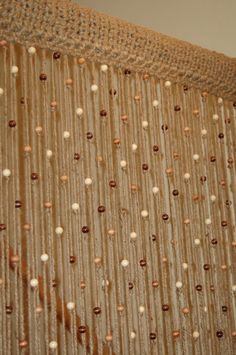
(195, 157)
(207, 221)
(104, 67)
(44, 257)
(124, 263)
(213, 198)
(155, 190)
(53, 344)
(79, 111)
(14, 69)
(144, 213)
(94, 87)
(234, 288)
(31, 50)
(1, 91)
(178, 284)
(155, 103)
(70, 306)
(49, 153)
(132, 335)
(59, 230)
(195, 334)
(105, 283)
(145, 124)
(123, 163)
(187, 176)
(75, 206)
(134, 147)
(141, 309)
(204, 132)
(215, 117)
(6, 172)
(185, 266)
(34, 283)
(66, 134)
(205, 309)
(220, 100)
(167, 84)
(133, 235)
(88, 181)
(197, 241)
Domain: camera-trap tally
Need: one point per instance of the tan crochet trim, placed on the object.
(65, 26)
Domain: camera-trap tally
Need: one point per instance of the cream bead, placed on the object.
(79, 111)
(44, 257)
(70, 306)
(195, 157)
(220, 100)
(144, 213)
(215, 117)
(155, 190)
(197, 241)
(132, 335)
(213, 198)
(49, 153)
(186, 176)
(75, 206)
(31, 50)
(207, 221)
(234, 288)
(53, 344)
(34, 283)
(104, 67)
(123, 163)
(167, 84)
(133, 235)
(196, 334)
(145, 124)
(134, 147)
(1, 91)
(94, 88)
(6, 172)
(185, 266)
(178, 284)
(204, 132)
(88, 181)
(124, 263)
(105, 283)
(66, 134)
(155, 103)
(14, 69)
(59, 230)
(141, 309)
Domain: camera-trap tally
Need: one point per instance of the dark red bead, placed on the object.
(199, 287)
(177, 108)
(214, 241)
(89, 135)
(112, 183)
(72, 259)
(97, 310)
(43, 77)
(224, 308)
(155, 148)
(34, 176)
(164, 127)
(82, 329)
(165, 217)
(206, 266)
(9, 309)
(2, 227)
(165, 307)
(76, 156)
(85, 229)
(219, 334)
(101, 209)
(143, 263)
(224, 223)
(152, 336)
(175, 192)
(56, 55)
(145, 166)
(127, 72)
(18, 204)
(103, 113)
(112, 92)
(131, 285)
(12, 124)
(213, 159)
(221, 135)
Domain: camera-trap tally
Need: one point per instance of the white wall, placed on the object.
(208, 23)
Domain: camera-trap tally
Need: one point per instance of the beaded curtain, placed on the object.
(118, 187)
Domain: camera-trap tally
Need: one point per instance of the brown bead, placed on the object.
(214, 241)
(14, 259)
(89, 135)
(23, 344)
(165, 217)
(221, 135)
(196, 113)
(103, 113)
(82, 285)
(54, 283)
(213, 159)
(76, 156)
(124, 118)
(116, 141)
(177, 108)
(112, 183)
(137, 97)
(164, 127)
(56, 55)
(198, 287)
(143, 263)
(9, 309)
(234, 333)
(145, 166)
(43, 77)
(224, 223)
(97, 310)
(2, 227)
(212, 288)
(146, 76)
(154, 237)
(85, 229)
(219, 334)
(82, 329)
(203, 179)
(22, 100)
(18, 204)
(165, 307)
(3, 43)
(27, 226)
(34, 176)
(69, 82)
(112, 92)
(27, 149)
(101, 209)
(152, 336)
(12, 123)
(131, 285)
(185, 310)
(81, 61)
(176, 333)
(72, 259)
(64, 178)
(155, 283)
(185, 88)
(134, 187)
(155, 148)
(224, 308)
(204, 94)
(206, 266)
(120, 308)
(47, 204)
(127, 72)
(109, 337)
(175, 192)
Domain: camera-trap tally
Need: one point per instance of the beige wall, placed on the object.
(208, 23)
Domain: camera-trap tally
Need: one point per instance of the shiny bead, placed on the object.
(204, 132)
(207, 221)
(27, 149)
(94, 88)
(108, 338)
(124, 263)
(47, 204)
(197, 241)
(234, 288)
(88, 181)
(79, 111)
(186, 176)
(104, 68)
(6, 172)
(111, 232)
(34, 283)
(70, 306)
(43, 77)
(44, 257)
(59, 230)
(14, 69)
(144, 213)
(53, 345)
(185, 310)
(49, 153)
(213, 198)
(120, 308)
(220, 100)
(176, 333)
